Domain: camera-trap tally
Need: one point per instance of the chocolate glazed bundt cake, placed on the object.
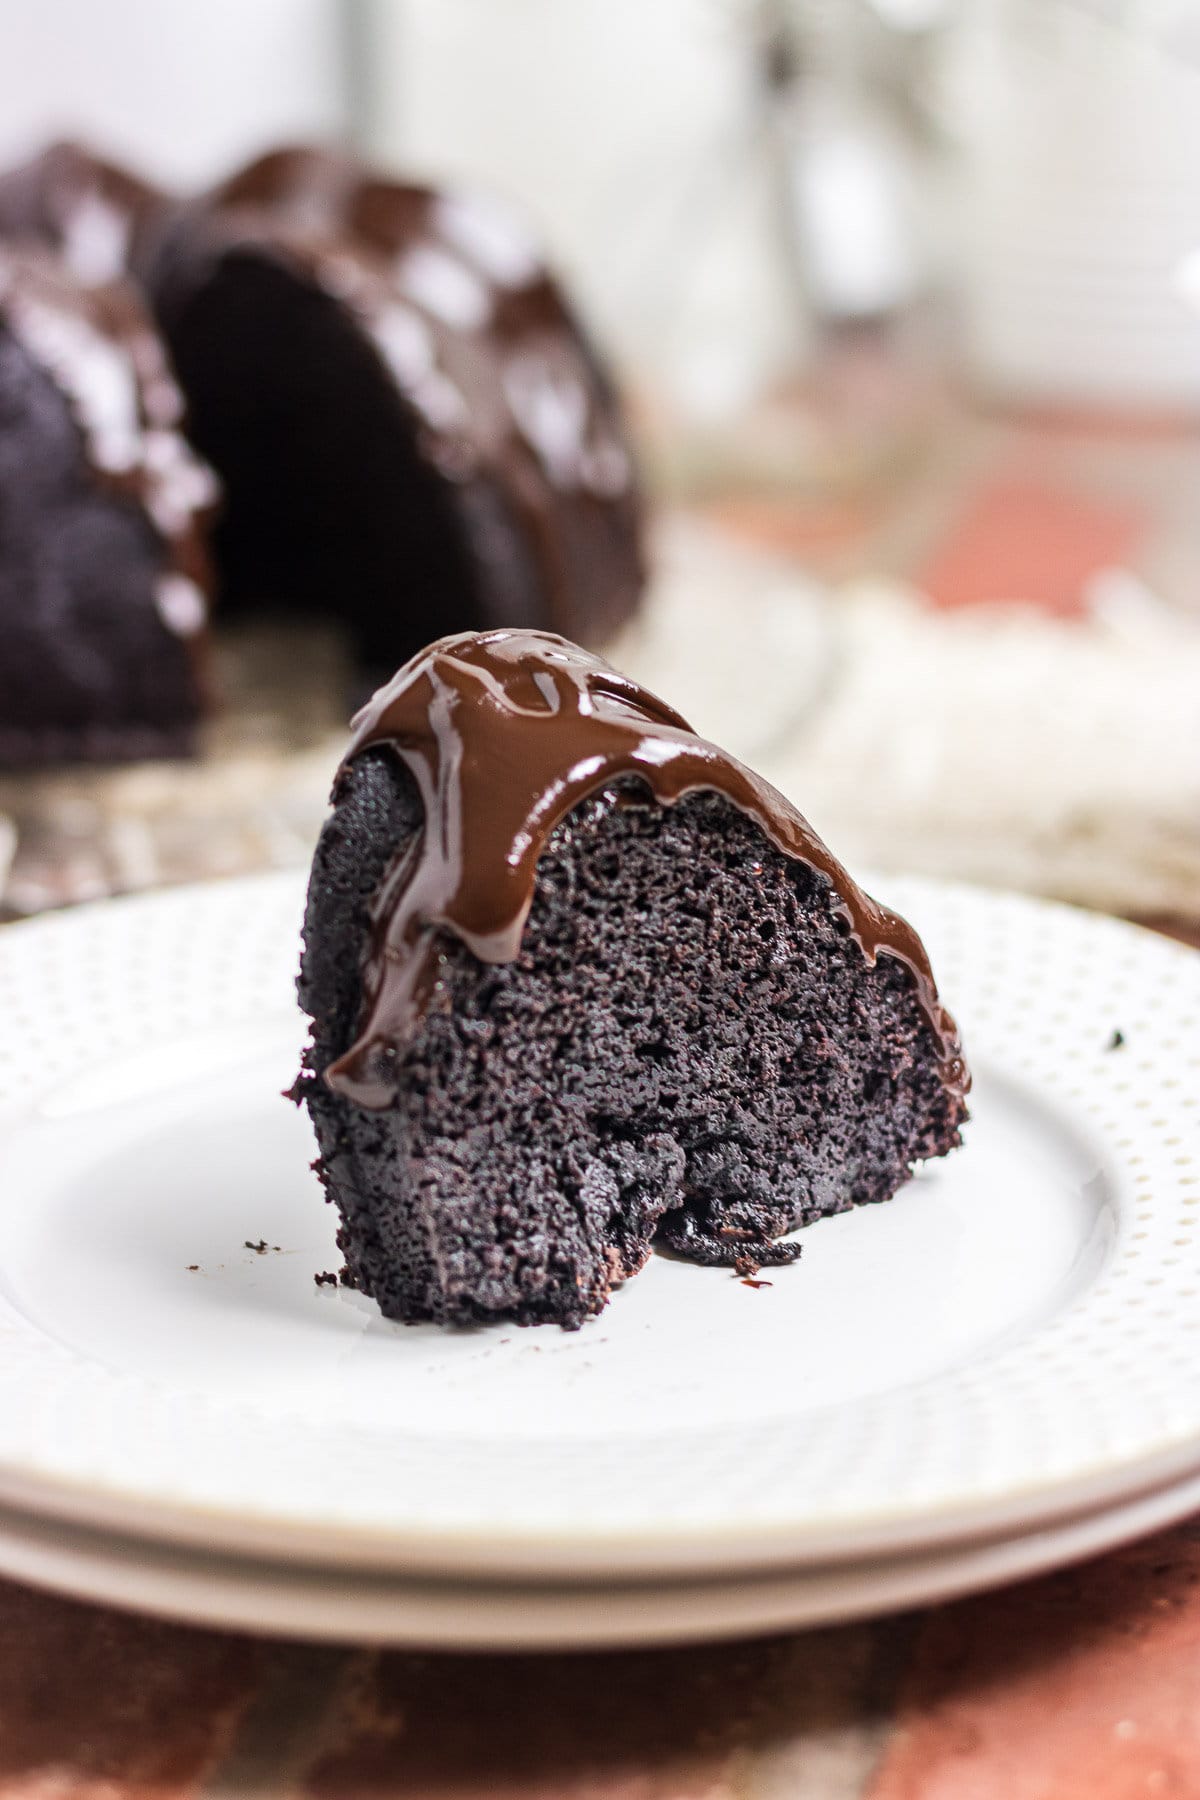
(414, 434)
(103, 575)
(402, 409)
(580, 983)
(99, 219)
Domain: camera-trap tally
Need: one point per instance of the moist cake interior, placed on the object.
(688, 1050)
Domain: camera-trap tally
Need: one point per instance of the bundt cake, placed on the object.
(410, 428)
(98, 218)
(413, 434)
(103, 573)
(580, 983)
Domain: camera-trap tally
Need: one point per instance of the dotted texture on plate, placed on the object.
(1112, 1379)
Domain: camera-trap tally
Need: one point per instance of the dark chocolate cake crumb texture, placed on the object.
(691, 1029)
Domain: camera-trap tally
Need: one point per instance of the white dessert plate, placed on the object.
(1012, 1342)
(364, 1606)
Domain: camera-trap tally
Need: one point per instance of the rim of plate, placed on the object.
(369, 1606)
(1098, 1404)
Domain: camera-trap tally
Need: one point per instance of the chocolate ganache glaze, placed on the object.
(504, 389)
(98, 218)
(104, 353)
(504, 733)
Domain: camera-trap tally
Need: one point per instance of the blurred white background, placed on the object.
(183, 86)
(719, 179)
(894, 291)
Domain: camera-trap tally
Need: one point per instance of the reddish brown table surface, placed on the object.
(1081, 1686)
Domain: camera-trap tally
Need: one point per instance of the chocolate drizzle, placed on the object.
(504, 732)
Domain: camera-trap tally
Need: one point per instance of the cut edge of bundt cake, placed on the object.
(475, 388)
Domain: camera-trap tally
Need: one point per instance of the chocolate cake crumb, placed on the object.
(326, 1279)
(259, 1249)
(683, 1053)
(192, 1268)
(749, 1281)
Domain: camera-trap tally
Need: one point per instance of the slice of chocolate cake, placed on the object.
(103, 575)
(580, 983)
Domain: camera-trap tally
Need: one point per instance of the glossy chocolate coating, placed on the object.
(501, 383)
(504, 732)
(97, 217)
(106, 358)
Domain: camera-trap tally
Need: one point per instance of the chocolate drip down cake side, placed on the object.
(581, 984)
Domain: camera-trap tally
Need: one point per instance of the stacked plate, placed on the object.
(997, 1373)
